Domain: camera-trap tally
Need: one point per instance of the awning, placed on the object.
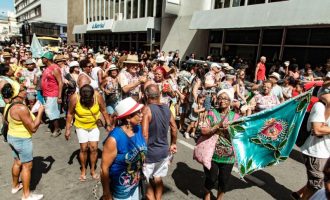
(277, 14)
(79, 29)
(135, 25)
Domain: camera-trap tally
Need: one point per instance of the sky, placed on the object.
(6, 5)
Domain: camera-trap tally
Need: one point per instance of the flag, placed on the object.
(36, 47)
(267, 138)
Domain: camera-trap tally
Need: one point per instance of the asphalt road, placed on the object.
(56, 172)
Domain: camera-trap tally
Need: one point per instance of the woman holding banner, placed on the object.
(223, 158)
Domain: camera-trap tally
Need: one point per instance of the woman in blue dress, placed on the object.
(123, 154)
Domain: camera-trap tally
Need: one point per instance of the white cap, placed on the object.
(215, 65)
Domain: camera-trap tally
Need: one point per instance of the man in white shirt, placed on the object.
(316, 149)
(276, 90)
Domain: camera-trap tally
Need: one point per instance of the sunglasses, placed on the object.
(135, 114)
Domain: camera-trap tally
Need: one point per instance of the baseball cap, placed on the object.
(49, 55)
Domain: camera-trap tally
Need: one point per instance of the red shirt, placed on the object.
(261, 73)
(49, 84)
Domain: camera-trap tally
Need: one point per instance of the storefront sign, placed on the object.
(100, 25)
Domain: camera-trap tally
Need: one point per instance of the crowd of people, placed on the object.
(139, 98)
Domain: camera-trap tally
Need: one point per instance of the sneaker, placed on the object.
(186, 135)
(34, 197)
(56, 133)
(18, 188)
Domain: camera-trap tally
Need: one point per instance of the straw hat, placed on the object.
(6, 55)
(100, 59)
(275, 75)
(126, 107)
(132, 59)
(113, 67)
(59, 58)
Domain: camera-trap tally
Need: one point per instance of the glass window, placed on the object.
(226, 3)
(297, 36)
(142, 37)
(271, 53)
(215, 51)
(133, 36)
(320, 36)
(125, 37)
(142, 8)
(242, 36)
(215, 37)
(272, 36)
(150, 8)
(252, 2)
(218, 4)
(237, 3)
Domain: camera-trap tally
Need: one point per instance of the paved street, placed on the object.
(56, 172)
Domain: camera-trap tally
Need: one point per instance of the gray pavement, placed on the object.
(56, 173)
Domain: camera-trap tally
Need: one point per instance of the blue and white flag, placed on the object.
(36, 47)
(267, 138)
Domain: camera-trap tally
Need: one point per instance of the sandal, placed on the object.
(82, 178)
(95, 176)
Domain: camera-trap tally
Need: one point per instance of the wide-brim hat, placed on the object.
(59, 58)
(126, 107)
(6, 55)
(215, 65)
(275, 75)
(113, 67)
(132, 59)
(100, 59)
(74, 64)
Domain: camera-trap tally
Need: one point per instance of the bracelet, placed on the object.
(108, 125)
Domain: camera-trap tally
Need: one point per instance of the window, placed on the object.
(272, 36)
(215, 37)
(221, 4)
(297, 36)
(242, 36)
(252, 2)
(320, 36)
(237, 3)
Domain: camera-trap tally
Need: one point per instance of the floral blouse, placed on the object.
(223, 152)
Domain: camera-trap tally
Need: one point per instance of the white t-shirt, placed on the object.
(318, 147)
(94, 72)
(277, 91)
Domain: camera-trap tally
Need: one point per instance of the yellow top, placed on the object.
(86, 118)
(17, 128)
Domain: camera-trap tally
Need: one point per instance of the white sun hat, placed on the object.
(126, 107)
(100, 59)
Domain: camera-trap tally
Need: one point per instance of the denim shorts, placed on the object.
(111, 108)
(21, 148)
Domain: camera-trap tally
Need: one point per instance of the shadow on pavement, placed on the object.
(75, 155)
(297, 156)
(276, 190)
(41, 166)
(191, 180)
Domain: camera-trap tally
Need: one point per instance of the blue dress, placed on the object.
(126, 169)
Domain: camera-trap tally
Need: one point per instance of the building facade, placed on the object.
(278, 29)
(42, 17)
(9, 30)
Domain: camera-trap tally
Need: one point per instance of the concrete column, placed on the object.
(132, 3)
(125, 8)
(92, 9)
(231, 4)
(146, 10)
(155, 6)
(139, 6)
(104, 6)
(119, 7)
(88, 11)
(114, 9)
(246, 2)
(100, 9)
(267, 1)
(280, 57)
(109, 6)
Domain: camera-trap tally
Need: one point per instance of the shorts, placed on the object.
(208, 102)
(111, 108)
(134, 196)
(315, 176)
(21, 148)
(158, 169)
(88, 135)
(52, 109)
(193, 118)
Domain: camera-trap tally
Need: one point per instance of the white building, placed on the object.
(278, 29)
(8, 27)
(46, 17)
